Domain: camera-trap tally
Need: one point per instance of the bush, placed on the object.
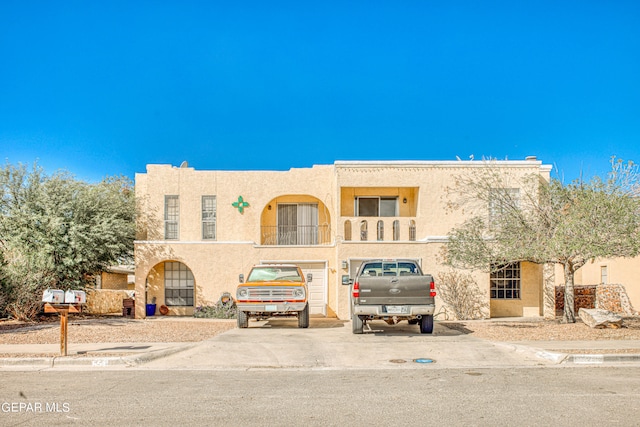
(225, 308)
(462, 295)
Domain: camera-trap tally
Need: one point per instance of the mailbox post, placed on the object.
(57, 301)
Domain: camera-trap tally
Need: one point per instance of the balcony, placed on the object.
(296, 235)
(378, 229)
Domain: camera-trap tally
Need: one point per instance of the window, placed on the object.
(391, 269)
(297, 224)
(209, 217)
(178, 284)
(505, 281)
(347, 230)
(501, 199)
(380, 230)
(412, 231)
(604, 275)
(396, 230)
(376, 206)
(171, 217)
(363, 231)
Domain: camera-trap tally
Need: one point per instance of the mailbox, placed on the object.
(75, 297)
(53, 296)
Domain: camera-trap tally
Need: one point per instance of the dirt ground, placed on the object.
(167, 329)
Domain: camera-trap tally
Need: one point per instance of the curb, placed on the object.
(567, 358)
(597, 359)
(98, 362)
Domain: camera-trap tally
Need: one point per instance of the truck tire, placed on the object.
(426, 325)
(243, 319)
(357, 324)
(303, 317)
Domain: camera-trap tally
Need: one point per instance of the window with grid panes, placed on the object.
(505, 281)
(209, 217)
(171, 217)
(502, 199)
(178, 284)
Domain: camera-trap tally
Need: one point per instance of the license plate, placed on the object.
(270, 308)
(395, 309)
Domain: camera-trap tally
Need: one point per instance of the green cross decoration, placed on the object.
(240, 204)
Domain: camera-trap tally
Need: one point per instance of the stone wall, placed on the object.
(106, 301)
(606, 297)
(614, 298)
(584, 297)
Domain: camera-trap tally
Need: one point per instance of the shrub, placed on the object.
(462, 295)
(225, 308)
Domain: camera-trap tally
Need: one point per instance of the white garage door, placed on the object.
(317, 287)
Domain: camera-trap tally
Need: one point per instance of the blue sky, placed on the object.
(104, 88)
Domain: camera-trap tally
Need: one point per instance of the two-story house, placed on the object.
(199, 229)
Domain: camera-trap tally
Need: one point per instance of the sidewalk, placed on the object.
(96, 354)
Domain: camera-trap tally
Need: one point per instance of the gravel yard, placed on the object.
(544, 330)
(114, 330)
(187, 329)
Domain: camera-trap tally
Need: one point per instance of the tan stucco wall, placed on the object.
(217, 264)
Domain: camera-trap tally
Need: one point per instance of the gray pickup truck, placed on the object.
(392, 290)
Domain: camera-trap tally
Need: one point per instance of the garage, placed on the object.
(317, 287)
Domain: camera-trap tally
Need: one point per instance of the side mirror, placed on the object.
(309, 277)
(346, 280)
(241, 278)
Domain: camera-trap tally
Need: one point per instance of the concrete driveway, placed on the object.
(330, 344)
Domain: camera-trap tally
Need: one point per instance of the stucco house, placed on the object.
(199, 229)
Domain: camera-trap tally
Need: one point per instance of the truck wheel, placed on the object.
(243, 319)
(356, 324)
(303, 317)
(426, 325)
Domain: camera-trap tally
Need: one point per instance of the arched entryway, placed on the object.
(170, 285)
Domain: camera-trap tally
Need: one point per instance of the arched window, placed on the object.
(363, 231)
(396, 230)
(380, 230)
(412, 230)
(347, 230)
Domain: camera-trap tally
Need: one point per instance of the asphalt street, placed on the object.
(570, 396)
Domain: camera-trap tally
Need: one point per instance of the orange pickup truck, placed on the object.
(273, 290)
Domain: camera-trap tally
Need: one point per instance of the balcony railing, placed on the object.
(290, 235)
(387, 229)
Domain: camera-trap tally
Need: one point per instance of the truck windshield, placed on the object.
(265, 274)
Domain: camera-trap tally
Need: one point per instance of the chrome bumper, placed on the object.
(275, 307)
(381, 311)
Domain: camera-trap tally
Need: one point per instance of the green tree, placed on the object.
(58, 232)
(526, 218)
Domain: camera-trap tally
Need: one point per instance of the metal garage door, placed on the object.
(317, 287)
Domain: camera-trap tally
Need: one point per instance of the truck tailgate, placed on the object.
(396, 290)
